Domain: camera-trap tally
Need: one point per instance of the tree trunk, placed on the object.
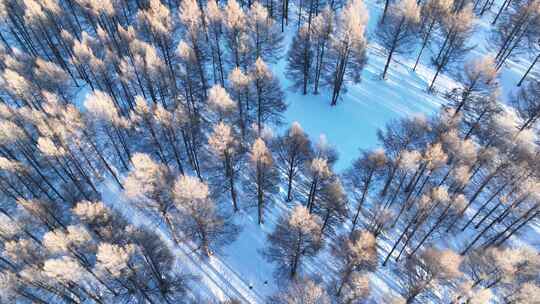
(424, 43)
(528, 70)
(503, 7)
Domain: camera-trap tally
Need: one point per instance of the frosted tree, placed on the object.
(300, 60)
(74, 247)
(195, 93)
(220, 102)
(398, 32)
(163, 124)
(224, 145)
(148, 186)
(235, 24)
(356, 289)
(49, 76)
(467, 293)
(66, 270)
(148, 70)
(526, 293)
(478, 77)
(304, 291)
(144, 120)
(263, 177)
(494, 267)
(215, 16)
(269, 98)
(454, 204)
(156, 22)
(527, 104)
(200, 221)
(322, 28)
(360, 177)
(434, 267)
(100, 219)
(347, 49)
(293, 150)
(400, 141)
(103, 115)
(433, 159)
(319, 173)
(295, 237)
(357, 254)
(457, 29)
(240, 86)
(432, 13)
(517, 31)
(153, 272)
(332, 207)
(531, 68)
(420, 213)
(264, 34)
(191, 16)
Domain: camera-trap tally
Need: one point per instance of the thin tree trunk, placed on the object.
(528, 70)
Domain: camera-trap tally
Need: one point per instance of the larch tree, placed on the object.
(347, 49)
(360, 177)
(304, 291)
(100, 219)
(263, 176)
(356, 289)
(319, 173)
(145, 120)
(104, 117)
(434, 267)
(269, 98)
(457, 30)
(214, 15)
(478, 78)
(526, 102)
(200, 220)
(240, 84)
(355, 254)
(468, 293)
(293, 150)
(148, 186)
(332, 207)
(398, 32)
(191, 16)
(517, 31)
(300, 60)
(154, 269)
(295, 237)
(224, 145)
(220, 103)
(156, 23)
(165, 123)
(322, 28)
(264, 34)
(235, 24)
(432, 13)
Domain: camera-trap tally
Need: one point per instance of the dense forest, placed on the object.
(174, 107)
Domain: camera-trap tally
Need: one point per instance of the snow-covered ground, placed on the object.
(240, 271)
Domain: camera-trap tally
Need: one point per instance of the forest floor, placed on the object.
(240, 271)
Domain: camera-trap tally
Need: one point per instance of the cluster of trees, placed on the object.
(333, 45)
(171, 104)
(175, 102)
(472, 168)
(329, 49)
(87, 253)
